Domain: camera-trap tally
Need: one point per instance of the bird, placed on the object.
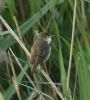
(40, 50)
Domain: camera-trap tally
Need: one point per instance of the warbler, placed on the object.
(40, 50)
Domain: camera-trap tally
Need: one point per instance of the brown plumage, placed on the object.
(40, 50)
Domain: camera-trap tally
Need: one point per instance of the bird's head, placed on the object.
(45, 36)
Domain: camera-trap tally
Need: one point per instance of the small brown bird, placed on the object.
(40, 50)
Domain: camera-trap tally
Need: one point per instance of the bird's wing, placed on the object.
(33, 55)
(44, 50)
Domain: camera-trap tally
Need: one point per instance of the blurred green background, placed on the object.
(55, 16)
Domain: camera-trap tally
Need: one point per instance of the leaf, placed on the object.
(11, 90)
(8, 41)
(11, 6)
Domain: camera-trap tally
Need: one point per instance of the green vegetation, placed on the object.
(66, 75)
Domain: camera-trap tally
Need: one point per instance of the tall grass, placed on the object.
(66, 74)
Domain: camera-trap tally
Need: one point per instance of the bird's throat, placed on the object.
(49, 40)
